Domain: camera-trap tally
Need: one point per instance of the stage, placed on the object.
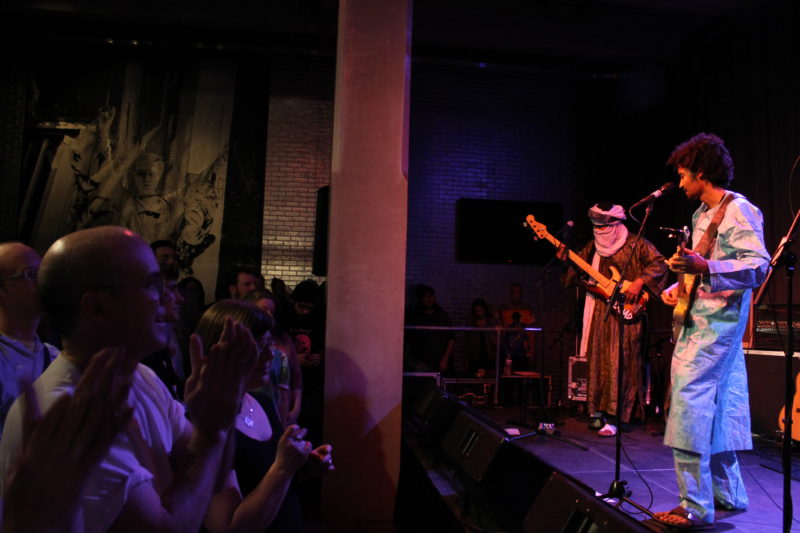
(646, 466)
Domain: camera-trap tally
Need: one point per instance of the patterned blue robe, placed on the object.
(709, 410)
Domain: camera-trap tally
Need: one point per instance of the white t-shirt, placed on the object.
(139, 454)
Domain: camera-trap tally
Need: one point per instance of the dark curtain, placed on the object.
(741, 82)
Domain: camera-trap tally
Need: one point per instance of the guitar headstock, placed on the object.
(538, 228)
(681, 236)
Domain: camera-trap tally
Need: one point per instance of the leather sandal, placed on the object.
(682, 518)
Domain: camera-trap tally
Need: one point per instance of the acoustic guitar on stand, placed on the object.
(795, 412)
(600, 285)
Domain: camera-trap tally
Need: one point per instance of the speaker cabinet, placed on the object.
(471, 444)
(433, 413)
(568, 506)
(766, 371)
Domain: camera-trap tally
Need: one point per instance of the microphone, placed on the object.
(567, 226)
(655, 194)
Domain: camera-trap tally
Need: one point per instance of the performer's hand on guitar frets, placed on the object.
(562, 253)
(689, 263)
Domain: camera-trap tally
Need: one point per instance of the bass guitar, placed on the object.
(600, 285)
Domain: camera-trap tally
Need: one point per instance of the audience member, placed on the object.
(166, 253)
(516, 305)
(103, 288)
(287, 376)
(427, 350)
(304, 320)
(279, 290)
(61, 449)
(194, 303)
(526, 319)
(167, 362)
(22, 354)
(480, 347)
(517, 344)
(243, 281)
(257, 492)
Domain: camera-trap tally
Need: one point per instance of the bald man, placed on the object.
(160, 472)
(22, 354)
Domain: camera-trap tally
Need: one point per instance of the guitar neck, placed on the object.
(580, 262)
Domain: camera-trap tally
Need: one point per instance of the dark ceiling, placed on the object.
(575, 35)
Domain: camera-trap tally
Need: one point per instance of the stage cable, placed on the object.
(763, 489)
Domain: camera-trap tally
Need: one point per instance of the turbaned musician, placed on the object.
(608, 251)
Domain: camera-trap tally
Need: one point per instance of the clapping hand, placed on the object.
(61, 448)
(215, 388)
(293, 449)
(320, 460)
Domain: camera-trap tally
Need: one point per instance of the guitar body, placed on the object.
(687, 288)
(600, 285)
(795, 412)
(631, 310)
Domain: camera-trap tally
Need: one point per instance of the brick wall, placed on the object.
(503, 135)
(299, 140)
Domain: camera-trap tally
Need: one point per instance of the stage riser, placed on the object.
(518, 490)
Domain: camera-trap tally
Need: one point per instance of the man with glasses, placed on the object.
(160, 472)
(22, 354)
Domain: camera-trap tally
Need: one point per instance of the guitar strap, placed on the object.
(704, 247)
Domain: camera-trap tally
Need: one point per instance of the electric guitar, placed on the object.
(600, 286)
(687, 288)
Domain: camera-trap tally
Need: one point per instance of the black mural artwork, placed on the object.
(153, 158)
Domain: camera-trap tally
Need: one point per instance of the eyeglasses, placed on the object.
(155, 283)
(28, 274)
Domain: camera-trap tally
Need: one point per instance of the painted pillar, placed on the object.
(366, 263)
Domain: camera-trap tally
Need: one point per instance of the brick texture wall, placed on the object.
(299, 140)
(502, 135)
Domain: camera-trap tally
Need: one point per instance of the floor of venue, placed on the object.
(646, 465)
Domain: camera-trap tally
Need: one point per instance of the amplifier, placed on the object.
(767, 326)
(577, 379)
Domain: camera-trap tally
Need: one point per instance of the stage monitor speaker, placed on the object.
(512, 483)
(568, 506)
(434, 413)
(471, 444)
(501, 475)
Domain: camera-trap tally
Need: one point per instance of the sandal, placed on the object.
(609, 430)
(683, 519)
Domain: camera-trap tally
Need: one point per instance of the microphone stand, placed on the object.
(555, 434)
(784, 255)
(618, 488)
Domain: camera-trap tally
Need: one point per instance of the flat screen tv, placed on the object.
(493, 231)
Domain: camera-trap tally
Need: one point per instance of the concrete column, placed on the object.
(366, 263)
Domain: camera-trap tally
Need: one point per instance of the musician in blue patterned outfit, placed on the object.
(709, 416)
